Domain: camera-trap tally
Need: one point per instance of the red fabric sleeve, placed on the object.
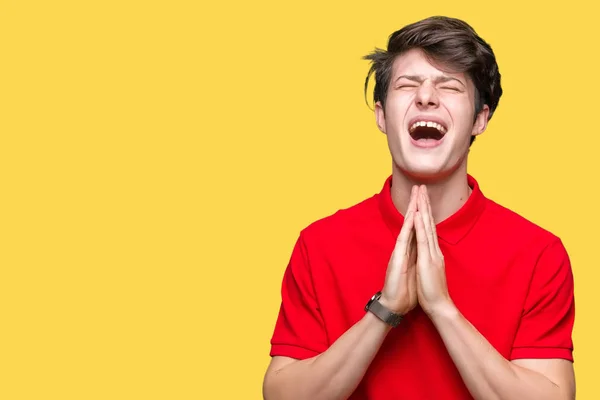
(299, 330)
(546, 326)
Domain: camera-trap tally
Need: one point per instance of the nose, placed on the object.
(426, 96)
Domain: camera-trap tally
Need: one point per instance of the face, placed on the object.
(429, 117)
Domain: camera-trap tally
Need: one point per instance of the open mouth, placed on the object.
(422, 131)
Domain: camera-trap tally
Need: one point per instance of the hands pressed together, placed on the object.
(416, 271)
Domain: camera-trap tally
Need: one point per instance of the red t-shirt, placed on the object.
(509, 277)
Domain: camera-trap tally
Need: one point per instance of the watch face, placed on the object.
(376, 296)
(369, 303)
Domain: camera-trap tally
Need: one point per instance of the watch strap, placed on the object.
(389, 317)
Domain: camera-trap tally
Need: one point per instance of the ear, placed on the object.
(380, 116)
(481, 121)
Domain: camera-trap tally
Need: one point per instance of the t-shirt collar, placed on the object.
(453, 228)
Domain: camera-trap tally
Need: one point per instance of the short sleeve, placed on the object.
(546, 326)
(299, 330)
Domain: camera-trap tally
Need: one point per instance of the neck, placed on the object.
(446, 195)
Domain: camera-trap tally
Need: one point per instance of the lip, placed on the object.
(428, 144)
(427, 118)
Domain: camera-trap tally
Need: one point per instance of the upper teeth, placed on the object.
(428, 124)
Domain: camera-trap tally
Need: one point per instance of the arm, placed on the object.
(333, 374)
(489, 376)
(336, 371)
(544, 334)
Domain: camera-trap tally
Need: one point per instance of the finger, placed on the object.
(412, 282)
(428, 200)
(424, 255)
(425, 211)
(411, 236)
(413, 246)
(412, 203)
(404, 237)
(436, 244)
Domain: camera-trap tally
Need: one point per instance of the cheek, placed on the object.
(396, 111)
(462, 115)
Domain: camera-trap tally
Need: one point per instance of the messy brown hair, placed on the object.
(447, 41)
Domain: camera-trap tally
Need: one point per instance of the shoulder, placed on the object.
(520, 234)
(339, 225)
(505, 221)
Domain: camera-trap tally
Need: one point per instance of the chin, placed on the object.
(427, 176)
(426, 172)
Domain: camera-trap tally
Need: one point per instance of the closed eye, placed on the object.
(455, 89)
(406, 86)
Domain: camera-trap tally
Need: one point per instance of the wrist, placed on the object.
(392, 307)
(383, 311)
(375, 321)
(443, 311)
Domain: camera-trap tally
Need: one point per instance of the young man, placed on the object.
(428, 289)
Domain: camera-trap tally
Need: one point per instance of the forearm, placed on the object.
(486, 373)
(335, 373)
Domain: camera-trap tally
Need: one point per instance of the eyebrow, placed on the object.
(439, 79)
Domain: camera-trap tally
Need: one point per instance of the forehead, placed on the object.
(415, 62)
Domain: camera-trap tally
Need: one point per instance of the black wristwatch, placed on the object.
(387, 316)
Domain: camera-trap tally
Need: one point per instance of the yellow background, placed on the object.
(158, 160)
